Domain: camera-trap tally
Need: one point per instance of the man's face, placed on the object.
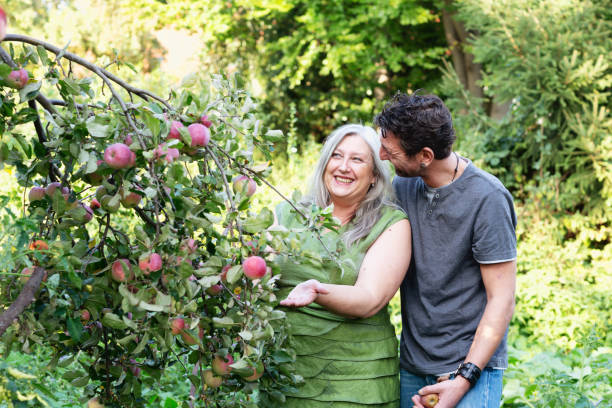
(390, 149)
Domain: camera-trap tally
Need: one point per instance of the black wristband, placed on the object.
(470, 372)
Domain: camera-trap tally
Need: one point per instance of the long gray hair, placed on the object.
(378, 196)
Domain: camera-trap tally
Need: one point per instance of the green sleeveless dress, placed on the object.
(345, 362)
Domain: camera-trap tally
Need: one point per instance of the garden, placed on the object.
(145, 144)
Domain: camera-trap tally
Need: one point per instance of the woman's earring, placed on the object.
(422, 165)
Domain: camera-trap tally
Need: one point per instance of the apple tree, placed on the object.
(138, 247)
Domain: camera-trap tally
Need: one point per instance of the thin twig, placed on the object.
(233, 208)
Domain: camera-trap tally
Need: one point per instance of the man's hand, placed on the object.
(450, 392)
(304, 294)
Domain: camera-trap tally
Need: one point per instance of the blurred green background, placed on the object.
(528, 83)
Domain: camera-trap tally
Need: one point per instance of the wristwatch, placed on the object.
(469, 371)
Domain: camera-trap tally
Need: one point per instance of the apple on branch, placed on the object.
(174, 130)
(200, 135)
(36, 194)
(121, 270)
(254, 267)
(245, 184)
(221, 366)
(211, 379)
(17, 79)
(150, 263)
(119, 156)
(3, 24)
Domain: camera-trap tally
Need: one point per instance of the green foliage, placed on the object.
(551, 60)
(335, 60)
(552, 378)
(563, 281)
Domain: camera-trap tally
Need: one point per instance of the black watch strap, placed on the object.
(470, 372)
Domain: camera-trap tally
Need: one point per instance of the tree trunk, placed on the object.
(468, 71)
(24, 299)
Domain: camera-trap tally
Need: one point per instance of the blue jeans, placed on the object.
(486, 393)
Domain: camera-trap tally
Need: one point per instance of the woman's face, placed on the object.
(349, 171)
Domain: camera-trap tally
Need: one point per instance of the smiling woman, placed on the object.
(349, 175)
(341, 331)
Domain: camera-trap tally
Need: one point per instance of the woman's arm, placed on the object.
(382, 271)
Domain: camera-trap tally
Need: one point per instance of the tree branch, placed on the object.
(42, 138)
(24, 299)
(144, 94)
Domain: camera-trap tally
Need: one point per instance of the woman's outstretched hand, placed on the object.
(304, 294)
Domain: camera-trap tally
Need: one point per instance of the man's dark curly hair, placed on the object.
(418, 121)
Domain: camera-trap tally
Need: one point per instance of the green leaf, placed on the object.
(150, 192)
(113, 321)
(234, 273)
(225, 321)
(246, 335)
(208, 281)
(98, 126)
(42, 53)
(257, 224)
(170, 403)
(29, 91)
(140, 347)
(75, 328)
(5, 70)
(80, 382)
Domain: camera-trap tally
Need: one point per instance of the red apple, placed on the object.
(150, 263)
(130, 199)
(205, 121)
(95, 204)
(258, 371)
(200, 135)
(128, 140)
(221, 366)
(39, 245)
(177, 325)
(188, 338)
(85, 315)
(36, 194)
(214, 290)
(120, 270)
(211, 379)
(224, 270)
(119, 156)
(174, 130)
(254, 267)
(17, 79)
(188, 245)
(134, 368)
(3, 24)
(166, 153)
(246, 184)
(88, 213)
(51, 187)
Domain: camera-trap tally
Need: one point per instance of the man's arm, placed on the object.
(381, 273)
(500, 281)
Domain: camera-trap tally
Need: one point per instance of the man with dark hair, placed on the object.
(458, 295)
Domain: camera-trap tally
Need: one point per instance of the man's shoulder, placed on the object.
(484, 181)
(404, 183)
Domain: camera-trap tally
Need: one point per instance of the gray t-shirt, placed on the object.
(467, 223)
